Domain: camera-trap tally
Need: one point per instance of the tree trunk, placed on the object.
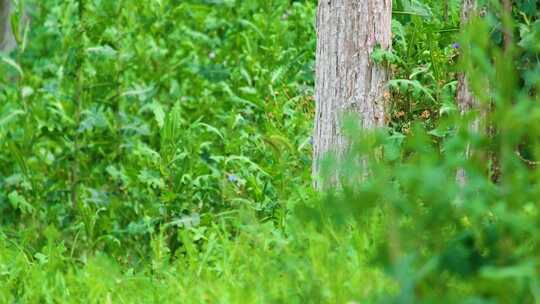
(7, 40)
(507, 35)
(465, 99)
(347, 80)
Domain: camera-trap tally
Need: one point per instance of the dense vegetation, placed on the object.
(160, 151)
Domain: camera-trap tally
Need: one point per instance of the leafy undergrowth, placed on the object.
(160, 152)
(153, 151)
(120, 118)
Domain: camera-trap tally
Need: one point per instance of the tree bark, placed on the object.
(7, 40)
(507, 35)
(465, 99)
(347, 79)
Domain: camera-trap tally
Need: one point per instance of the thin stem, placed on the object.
(79, 92)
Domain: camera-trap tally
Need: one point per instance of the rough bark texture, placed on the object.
(465, 99)
(347, 80)
(7, 40)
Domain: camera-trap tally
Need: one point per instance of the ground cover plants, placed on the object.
(160, 152)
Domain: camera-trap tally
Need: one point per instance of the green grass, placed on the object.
(259, 264)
